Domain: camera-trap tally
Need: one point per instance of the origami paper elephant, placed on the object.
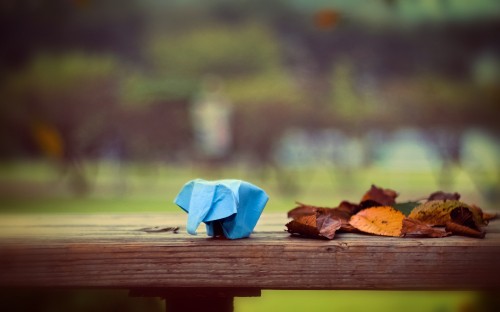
(234, 205)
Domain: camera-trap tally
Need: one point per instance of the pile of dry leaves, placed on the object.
(441, 214)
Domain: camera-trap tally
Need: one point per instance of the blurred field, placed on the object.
(41, 187)
(27, 187)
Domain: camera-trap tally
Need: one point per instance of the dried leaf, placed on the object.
(489, 216)
(463, 216)
(349, 207)
(437, 212)
(301, 210)
(383, 220)
(369, 203)
(459, 229)
(463, 223)
(327, 225)
(415, 228)
(304, 210)
(483, 217)
(319, 225)
(304, 225)
(343, 213)
(347, 227)
(440, 195)
(384, 197)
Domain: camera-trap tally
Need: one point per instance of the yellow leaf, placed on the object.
(383, 220)
(437, 212)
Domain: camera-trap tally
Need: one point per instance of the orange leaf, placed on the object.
(383, 220)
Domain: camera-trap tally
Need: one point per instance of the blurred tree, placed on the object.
(444, 109)
(66, 103)
(222, 51)
(28, 27)
(247, 60)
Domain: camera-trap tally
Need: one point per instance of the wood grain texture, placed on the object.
(110, 250)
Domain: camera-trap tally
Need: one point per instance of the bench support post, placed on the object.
(199, 304)
(197, 299)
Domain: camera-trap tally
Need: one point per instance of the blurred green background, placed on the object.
(111, 106)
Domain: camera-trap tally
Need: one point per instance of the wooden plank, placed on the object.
(110, 250)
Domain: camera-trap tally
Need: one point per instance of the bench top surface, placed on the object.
(114, 251)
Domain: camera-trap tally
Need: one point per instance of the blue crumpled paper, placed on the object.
(234, 205)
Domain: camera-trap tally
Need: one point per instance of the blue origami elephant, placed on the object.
(234, 205)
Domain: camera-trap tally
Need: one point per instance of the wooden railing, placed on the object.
(144, 253)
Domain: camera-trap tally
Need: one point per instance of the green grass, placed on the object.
(352, 301)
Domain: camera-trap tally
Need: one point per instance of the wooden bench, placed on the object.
(115, 251)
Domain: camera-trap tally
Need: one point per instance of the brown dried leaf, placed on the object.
(415, 228)
(440, 195)
(305, 210)
(489, 216)
(381, 196)
(484, 216)
(318, 225)
(369, 204)
(327, 225)
(459, 229)
(347, 227)
(383, 220)
(348, 207)
(343, 213)
(463, 216)
(303, 225)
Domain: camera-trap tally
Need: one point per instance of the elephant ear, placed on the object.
(199, 205)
